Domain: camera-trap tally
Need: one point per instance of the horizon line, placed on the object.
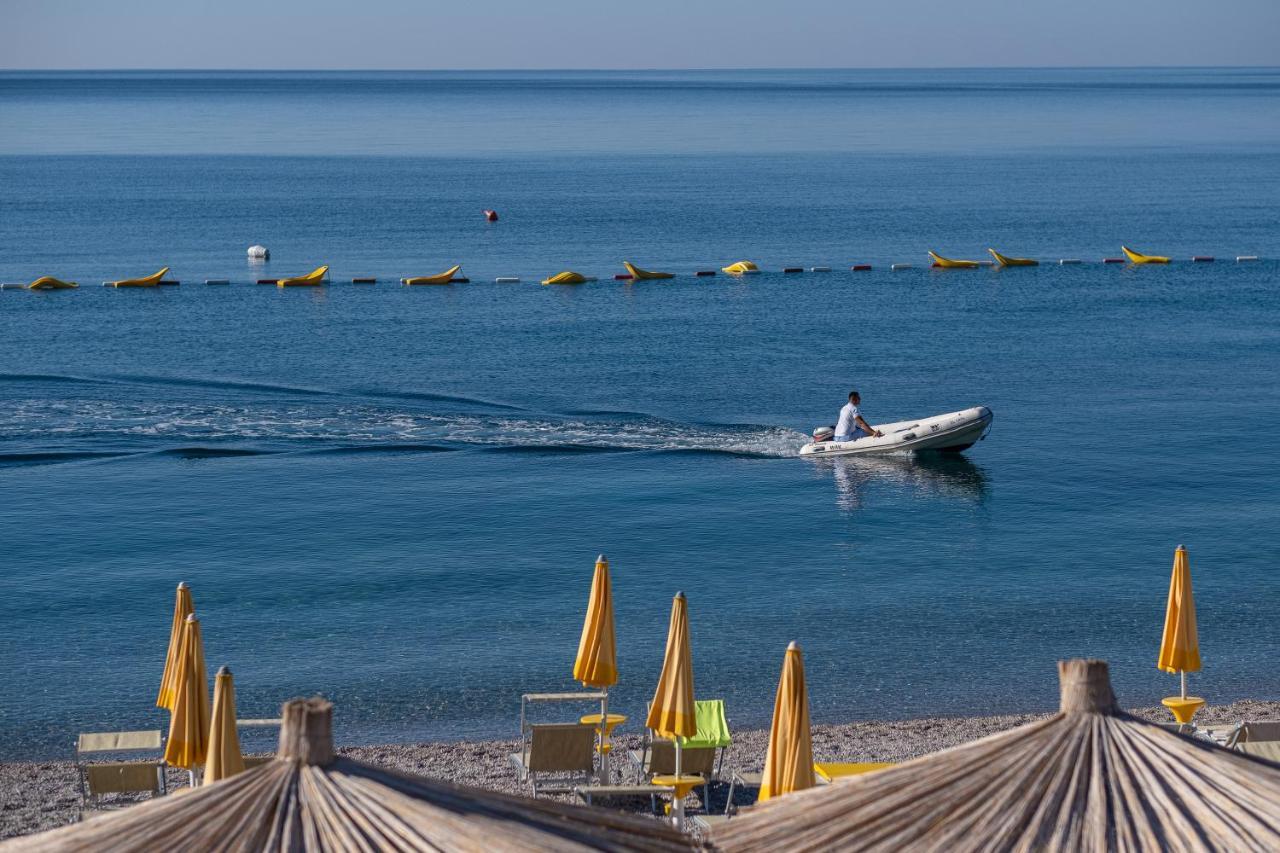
(119, 69)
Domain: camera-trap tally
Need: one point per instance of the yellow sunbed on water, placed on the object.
(566, 277)
(48, 282)
(1006, 261)
(149, 281)
(315, 277)
(1139, 258)
(741, 268)
(438, 278)
(951, 264)
(644, 275)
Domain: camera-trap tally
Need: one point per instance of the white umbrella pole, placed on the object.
(1184, 683)
(678, 805)
(604, 737)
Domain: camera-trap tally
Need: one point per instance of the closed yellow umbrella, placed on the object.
(788, 765)
(189, 727)
(182, 608)
(224, 742)
(1180, 646)
(597, 661)
(672, 713)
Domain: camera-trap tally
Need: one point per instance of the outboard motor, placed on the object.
(825, 433)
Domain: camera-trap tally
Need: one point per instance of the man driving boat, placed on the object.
(851, 425)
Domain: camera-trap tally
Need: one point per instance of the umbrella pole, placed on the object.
(604, 738)
(678, 806)
(1184, 683)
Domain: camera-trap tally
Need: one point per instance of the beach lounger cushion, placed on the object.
(699, 761)
(567, 749)
(1260, 731)
(118, 741)
(123, 777)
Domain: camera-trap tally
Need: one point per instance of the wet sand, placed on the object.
(42, 795)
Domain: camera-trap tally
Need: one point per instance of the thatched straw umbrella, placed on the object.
(309, 799)
(1090, 778)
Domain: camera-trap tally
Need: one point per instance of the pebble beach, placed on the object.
(36, 796)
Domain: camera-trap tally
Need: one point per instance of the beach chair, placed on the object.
(1260, 739)
(703, 753)
(564, 750)
(120, 777)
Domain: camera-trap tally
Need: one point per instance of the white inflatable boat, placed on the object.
(954, 431)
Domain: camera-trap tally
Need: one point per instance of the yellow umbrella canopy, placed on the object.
(597, 661)
(182, 608)
(1090, 778)
(309, 799)
(1180, 646)
(672, 713)
(188, 741)
(224, 758)
(788, 765)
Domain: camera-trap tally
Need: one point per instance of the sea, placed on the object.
(394, 496)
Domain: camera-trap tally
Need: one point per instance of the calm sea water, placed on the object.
(395, 496)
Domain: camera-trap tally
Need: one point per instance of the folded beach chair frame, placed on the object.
(118, 777)
(556, 757)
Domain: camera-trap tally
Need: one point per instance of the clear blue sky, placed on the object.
(639, 34)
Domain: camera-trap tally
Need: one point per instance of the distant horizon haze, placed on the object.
(504, 35)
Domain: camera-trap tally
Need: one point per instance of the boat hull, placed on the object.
(947, 433)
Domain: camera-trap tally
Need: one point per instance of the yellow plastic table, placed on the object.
(1183, 709)
(612, 723)
(682, 784)
(833, 770)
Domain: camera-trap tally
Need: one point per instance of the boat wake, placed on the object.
(44, 431)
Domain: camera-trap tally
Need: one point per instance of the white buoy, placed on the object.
(819, 269)
(1065, 261)
(507, 279)
(902, 266)
(1242, 258)
(259, 253)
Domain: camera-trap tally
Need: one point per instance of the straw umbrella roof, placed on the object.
(308, 799)
(1090, 778)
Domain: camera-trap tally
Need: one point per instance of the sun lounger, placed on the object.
(703, 754)
(705, 822)
(564, 750)
(826, 772)
(587, 793)
(128, 777)
(1260, 739)
(742, 779)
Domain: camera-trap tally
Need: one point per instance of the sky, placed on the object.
(602, 34)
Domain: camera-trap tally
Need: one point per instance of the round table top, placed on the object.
(677, 782)
(594, 719)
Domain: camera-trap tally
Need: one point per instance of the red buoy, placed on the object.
(491, 216)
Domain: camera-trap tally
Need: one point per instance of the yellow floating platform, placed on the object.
(439, 278)
(566, 277)
(741, 268)
(952, 264)
(1139, 258)
(1006, 261)
(48, 282)
(311, 279)
(149, 281)
(644, 275)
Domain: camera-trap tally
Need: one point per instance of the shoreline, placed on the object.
(40, 795)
